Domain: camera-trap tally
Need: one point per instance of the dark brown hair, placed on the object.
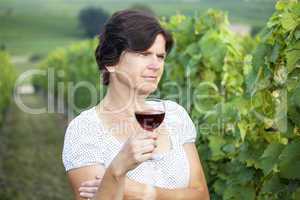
(132, 30)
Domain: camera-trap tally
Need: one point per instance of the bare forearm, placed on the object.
(135, 189)
(112, 186)
(180, 194)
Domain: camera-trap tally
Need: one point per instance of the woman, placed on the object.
(106, 153)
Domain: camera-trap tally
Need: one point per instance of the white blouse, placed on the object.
(87, 143)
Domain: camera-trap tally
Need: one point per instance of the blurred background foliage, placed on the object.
(237, 61)
(26, 24)
(92, 19)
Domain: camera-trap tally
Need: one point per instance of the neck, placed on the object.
(121, 99)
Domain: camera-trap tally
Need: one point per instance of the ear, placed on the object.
(111, 69)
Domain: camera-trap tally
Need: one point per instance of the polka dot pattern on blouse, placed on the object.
(87, 143)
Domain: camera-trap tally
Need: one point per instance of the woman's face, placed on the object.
(142, 71)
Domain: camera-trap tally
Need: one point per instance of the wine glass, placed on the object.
(151, 115)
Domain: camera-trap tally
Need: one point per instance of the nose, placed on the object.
(154, 64)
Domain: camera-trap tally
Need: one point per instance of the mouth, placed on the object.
(150, 78)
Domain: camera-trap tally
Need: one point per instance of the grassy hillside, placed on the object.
(36, 27)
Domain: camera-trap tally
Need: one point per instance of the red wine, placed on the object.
(150, 119)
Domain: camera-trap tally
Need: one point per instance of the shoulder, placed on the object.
(84, 117)
(173, 106)
(83, 141)
(84, 128)
(84, 123)
(174, 109)
(182, 122)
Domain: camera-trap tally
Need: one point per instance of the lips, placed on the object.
(151, 78)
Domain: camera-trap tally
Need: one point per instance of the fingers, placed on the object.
(137, 149)
(144, 146)
(88, 189)
(91, 183)
(98, 177)
(147, 149)
(146, 156)
(147, 142)
(140, 157)
(141, 136)
(148, 135)
(87, 195)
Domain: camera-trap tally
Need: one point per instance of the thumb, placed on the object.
(97, 177)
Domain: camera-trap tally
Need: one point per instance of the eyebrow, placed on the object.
(159, 54)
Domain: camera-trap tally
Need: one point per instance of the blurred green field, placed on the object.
(27, 33)
(37, 27)
(31, 146)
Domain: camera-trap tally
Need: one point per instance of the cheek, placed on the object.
(135, 75)
(161, 71)
(130, 69)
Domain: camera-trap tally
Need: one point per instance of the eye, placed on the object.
(143, 53)
(161, 57)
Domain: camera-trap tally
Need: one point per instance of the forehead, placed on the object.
(159, 44)
(158, 47)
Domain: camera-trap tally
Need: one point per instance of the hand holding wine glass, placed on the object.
(151, 115)
(137, 149)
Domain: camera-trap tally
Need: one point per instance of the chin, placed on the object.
(147, 89)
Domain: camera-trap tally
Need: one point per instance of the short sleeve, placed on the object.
(187, 130)
(82, 146)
